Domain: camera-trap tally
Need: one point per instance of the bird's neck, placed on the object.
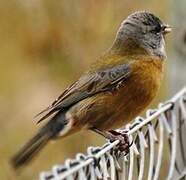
(129, 47)
(126, 47)
(122, 52)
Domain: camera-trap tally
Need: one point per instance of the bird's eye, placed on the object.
(154, 29)
(158, 29)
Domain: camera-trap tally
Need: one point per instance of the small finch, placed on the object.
(116, 88)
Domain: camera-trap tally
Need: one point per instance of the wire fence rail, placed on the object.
(158, 150)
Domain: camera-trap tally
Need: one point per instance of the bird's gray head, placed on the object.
(142, 32)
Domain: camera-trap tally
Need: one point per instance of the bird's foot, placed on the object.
(124, 145)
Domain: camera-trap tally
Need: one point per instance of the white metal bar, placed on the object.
(173, 146)
(151, 162)
(160, 150)
(142, 155)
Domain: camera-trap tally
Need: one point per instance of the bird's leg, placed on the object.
(112, 135)
(105, 134)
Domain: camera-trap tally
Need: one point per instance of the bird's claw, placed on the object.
(124, 144)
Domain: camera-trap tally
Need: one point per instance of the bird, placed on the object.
(113, 91)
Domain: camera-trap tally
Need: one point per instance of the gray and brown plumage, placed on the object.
(118, 87)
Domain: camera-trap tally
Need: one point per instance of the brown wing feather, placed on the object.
(88, 85)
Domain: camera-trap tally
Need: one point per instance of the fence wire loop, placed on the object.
(158, 150)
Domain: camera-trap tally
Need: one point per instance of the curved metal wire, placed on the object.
(158, 150)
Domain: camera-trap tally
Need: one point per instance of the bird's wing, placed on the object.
(88, 85)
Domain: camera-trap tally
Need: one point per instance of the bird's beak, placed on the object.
(167, 29)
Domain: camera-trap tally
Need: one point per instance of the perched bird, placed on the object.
(119, 86)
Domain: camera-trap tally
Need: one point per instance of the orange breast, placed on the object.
(139, 90)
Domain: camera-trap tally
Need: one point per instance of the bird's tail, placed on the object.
(32, 147)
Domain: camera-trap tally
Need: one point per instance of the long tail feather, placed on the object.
(28, 151)
(32, 147)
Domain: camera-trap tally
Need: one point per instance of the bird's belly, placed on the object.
(130, 106)
(136, 94)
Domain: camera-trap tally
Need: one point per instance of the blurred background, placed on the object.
(46, 45)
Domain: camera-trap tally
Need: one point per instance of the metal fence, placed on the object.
(158, 150)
